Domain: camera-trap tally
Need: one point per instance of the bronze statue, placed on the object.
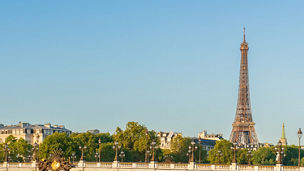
(55, 163)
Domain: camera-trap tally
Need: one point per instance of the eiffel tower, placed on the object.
(243, 132)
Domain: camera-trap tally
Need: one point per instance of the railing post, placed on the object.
(172, 166)
(133, 165)
(233, 166)
(213, 167)
(115, 164)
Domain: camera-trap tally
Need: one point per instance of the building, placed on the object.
(283, 138)
(166, 139)
(206, 136)
(93, 131)
(206, 144)
(31, 133)
(243, 131)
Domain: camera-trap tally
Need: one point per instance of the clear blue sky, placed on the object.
(170, 65)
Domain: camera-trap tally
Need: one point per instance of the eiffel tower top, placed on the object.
(244, 44)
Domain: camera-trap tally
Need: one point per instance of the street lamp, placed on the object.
(122, 155)
(299, 136)
(6, 151)
(189, 155)
(82, 151)
(116, 147)
(35, 152)
(147, 149)
(219, 156)
(192, 147)
(280, 153)
(73, 157)
(153, 150)
(199, 149)
(96, 156)
(234, 147)
(99, 145)
(250, 148)
(148, 154)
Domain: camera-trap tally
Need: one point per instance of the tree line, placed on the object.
(135, 141)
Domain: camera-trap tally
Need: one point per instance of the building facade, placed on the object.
(30, 133)
(206, 136)
(166, 139)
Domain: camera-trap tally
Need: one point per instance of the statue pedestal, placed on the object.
(115, 164)
(81, 163)
(34, 164)
(5, 164)
(278, 167)
(233, 166)
(191, 165)
(153, 164)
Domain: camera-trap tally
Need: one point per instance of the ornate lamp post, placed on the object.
(122, 155)
(147, 149)
(199, 149)
(73, 157)
(6, 152)
(299, 136)
(35, 152)
(189, 155)
(250, 148)
(116, 147)
(96, 156)
(219, 156)
(192, 147)
(153, 150)
(234, 147)
(280, 153)
(82, 152)
(99, 145)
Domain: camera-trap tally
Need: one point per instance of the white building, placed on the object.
(166, 139)
(31, 133)
(206, 136)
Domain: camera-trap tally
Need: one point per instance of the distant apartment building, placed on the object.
(205, 135)
(31, 133)
(93, 131)
(207, 141)
(166, 139)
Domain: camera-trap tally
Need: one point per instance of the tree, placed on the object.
(135, 138)
(221, 153)
(264, 156)
(242, 156)
(54, 142)
(179, 147)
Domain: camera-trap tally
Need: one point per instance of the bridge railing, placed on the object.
(164, 166)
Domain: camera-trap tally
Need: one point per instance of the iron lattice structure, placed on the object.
(243, 132)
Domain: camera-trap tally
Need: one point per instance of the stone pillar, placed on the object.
(191, 165)
(213, 167)
(98, 164)
(34, 164)
(153, 164)
(115, 164)
(278, 167)
(256, 168)
(233, 166)
(172, 166)
(81, 163)
(301, 168)
(133, 165)
(5, 164)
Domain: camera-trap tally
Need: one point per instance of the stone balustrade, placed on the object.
(128, 166)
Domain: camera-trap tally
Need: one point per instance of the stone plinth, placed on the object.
(81, 163)
(115, 164)
(191, 165)
(153, 164)
(233, 166)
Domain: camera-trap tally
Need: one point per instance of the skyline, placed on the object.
(172, 65)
